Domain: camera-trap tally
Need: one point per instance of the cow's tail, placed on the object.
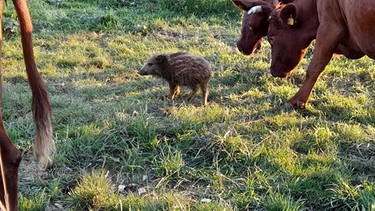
(44, 145)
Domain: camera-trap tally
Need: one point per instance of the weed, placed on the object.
(94, 191)
(33, 203)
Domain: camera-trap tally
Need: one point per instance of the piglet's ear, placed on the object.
(161, 59)
(288, 14)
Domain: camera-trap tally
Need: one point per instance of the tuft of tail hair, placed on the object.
(44, 145)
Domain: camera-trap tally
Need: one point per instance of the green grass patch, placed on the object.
(242, 151)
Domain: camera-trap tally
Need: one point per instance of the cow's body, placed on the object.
(254, 23)
(339, 26)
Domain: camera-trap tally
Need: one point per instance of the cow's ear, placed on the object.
(241, 5)
(267, 9)
(160, 59)
(289, 14)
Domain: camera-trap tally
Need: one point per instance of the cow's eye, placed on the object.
(251, 28)
(149, 64)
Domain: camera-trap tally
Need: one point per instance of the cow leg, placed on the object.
(327, 40)
(10, 158)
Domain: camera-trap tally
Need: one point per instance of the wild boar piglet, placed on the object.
(180, 69)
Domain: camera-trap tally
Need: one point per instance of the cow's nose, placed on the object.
(244, 51)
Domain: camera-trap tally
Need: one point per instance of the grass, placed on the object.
(115, 129)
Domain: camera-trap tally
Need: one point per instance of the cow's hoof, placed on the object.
(300, 105)
(287, 107)
(297, 104)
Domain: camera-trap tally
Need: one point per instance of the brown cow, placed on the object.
(254, 23)
(10, 156)
(338, 26)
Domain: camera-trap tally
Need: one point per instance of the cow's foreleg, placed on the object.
(327, 40)
(10, 158)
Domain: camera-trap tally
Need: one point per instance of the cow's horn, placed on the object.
(290, 21)
(255, 9)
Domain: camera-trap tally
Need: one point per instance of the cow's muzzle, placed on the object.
(277, 72)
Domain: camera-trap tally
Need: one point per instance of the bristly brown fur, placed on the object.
(180, 69)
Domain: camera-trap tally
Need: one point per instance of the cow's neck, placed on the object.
(308, 14)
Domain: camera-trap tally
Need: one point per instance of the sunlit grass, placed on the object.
(240, 152)
(94, 191)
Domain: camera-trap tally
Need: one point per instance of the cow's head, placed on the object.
(254, 23)
(289, 33)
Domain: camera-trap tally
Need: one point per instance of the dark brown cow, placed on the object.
(338, 26)
(10, 156)
(254, 23)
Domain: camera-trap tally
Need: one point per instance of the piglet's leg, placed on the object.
(174, 91)
(204, 90)
(194, 89)
(177, 90)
